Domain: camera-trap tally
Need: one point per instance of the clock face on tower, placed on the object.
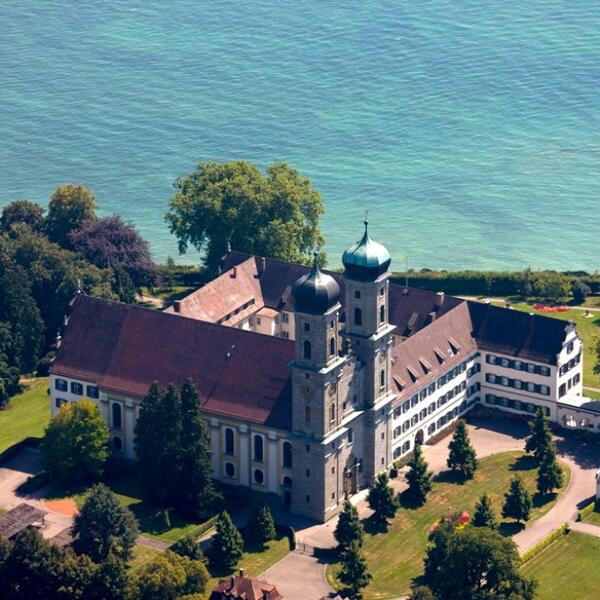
(382, 356)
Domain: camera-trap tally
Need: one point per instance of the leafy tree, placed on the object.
(517, 501)
(188, 546)
(354, 573)
(418, 477)
(109, 580)
(23, 212)
(462, 459)
(349, 528)
(261, 527)
(227, 543)
(195, 494)
(481, 564)
(167, 577)
(110, 242)
(484, 513)
(597, 355)
(550, 285)
(550, 475)
(275, 214)
(104, 526)
(70, 206)
(382, 500)
(539, 440)
(580, 291)
(74, 575)
(75, 444)
(437, 549)
(421, 592)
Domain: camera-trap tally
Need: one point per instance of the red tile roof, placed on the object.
(124, 348)
(240, 587)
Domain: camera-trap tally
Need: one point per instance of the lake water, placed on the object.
(469, 129)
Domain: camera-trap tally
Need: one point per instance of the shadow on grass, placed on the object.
(450, 477)
(510, 528)
(409, 502)
(524, 463)
(374, 526)
(540, 500)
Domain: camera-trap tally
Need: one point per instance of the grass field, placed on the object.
(589, 330)
(27, 416)
(396, 557)
(568, 569)
(593, 518)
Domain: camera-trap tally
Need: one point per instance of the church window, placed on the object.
(259, 476)
(258, 448)
(357, 316)
(382, 379)
(382, 291)
(382, 313)
(332, 412)
(350, 435)
(116, 416)
(229, 441)
(308, 498)
(357, 294)
(307, 415)
(308, 472)
(307, 349)
(306, 326)
(287, 455)
(229, 469)
(331, 347)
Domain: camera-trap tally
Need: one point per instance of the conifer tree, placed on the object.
(517, 501)
(382, 500)
(484, 513)
(418, 477)
(349, 528)
(196, 494)
(261, 527)
(462, 459)
(354, 573)
(550, 475)
(227, 543)
(540, 435)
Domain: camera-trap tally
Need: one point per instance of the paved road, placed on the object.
(586, 528)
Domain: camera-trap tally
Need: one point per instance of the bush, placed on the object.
(549, 539)
(586, 511)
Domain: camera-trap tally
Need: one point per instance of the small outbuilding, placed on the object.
(19, 518)
(240, 587)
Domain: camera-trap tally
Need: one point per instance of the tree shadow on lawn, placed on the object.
(526, 462)
(540, 500)
(373, 526)
(409, 502)
(450, 476)
(510, 528)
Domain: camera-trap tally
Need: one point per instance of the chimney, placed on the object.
(430, 317)
(177, 306)
(233, 273)
(439, 300)
(242, 573)
(262, 265)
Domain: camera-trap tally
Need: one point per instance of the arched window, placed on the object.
(307, 349)
(307, 415)
(331, 347)
(258, 448)
(259, 476)
(229, 469)
(382, 313)
(116, 416)
(229, 441)
(287, 482)
(357, 316)
(287, 455)
(382, 378)
(332, 412)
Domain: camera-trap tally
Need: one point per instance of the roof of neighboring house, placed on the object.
(245, 588)
(19, 518)
(124, 348)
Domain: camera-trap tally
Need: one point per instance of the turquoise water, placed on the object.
(469, 129)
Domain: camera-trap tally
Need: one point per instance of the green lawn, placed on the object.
(27, 416)
(568, 569)
(589, 330)
(593, 518)
(396, 557)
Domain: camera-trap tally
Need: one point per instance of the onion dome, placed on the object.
(366, 260)
(315, 292)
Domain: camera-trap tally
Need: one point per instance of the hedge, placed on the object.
(544, 543)
(586, 511)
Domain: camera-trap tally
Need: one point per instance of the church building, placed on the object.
(312, 382)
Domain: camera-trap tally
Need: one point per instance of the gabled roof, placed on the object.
(124, 348)
(240, 587)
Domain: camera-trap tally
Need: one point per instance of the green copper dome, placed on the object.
(366, 259)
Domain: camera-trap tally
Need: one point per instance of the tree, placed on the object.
(349, 528)
(437, 549)
(104, 526)
(418, 477)
(110, 242)
(550, 475)
(597, 355)
(462, 459)
(69, 207)
(382, 500)
(275, 214)
(580, 291)
(421, 592)
(227, 543)
(484, 513)
(24, 212)
(261, 527)
(75, 444)
(539, 440)
(188, 546)
(517, 501)
(480, 564)
(195, 495)
(550, 285)
(109, 581)
(168, 577)
(354, 573)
